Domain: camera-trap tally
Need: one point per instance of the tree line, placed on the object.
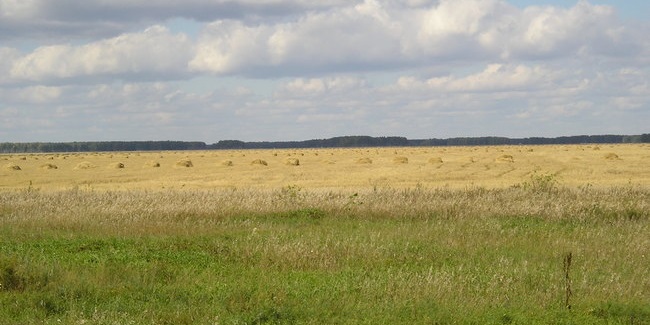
(336, 142)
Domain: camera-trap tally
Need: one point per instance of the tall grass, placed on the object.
(299, 256)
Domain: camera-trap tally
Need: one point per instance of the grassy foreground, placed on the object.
(293, 256)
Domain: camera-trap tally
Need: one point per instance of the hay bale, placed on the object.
(400, 160)
(227, 163)
(85, 165)
(12, 167)
(364, 161)
(435, 160)
(184, 163)
(152, 164)
(505, 158)
(292, 162)
(49, 166)
(117, 165)
(259, 162)
(611, 156)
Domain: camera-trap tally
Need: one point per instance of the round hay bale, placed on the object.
(292, 162)
(611, 156)
(435, 160)
(364, 161)
(400, 160)
(227, 163)
(505, 158)
(49, 166)
(117, 165)
(85, 165)
(184, 163)
(12, 167)
(259, 162)
(152, 164)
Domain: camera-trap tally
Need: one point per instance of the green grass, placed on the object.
(293, 256)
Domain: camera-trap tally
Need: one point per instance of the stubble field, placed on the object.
(467, 235)
(450, 167)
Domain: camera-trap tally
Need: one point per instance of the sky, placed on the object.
(279, 70)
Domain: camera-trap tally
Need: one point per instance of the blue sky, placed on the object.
(210, 70)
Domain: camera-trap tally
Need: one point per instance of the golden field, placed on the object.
(431, 167)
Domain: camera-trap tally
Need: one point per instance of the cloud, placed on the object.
(71, 19)
(298, 69)
(364, 36)
(153, 53)
(382, 35)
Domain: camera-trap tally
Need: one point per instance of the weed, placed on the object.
(543, 183)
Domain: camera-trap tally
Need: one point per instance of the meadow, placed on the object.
(464, 235)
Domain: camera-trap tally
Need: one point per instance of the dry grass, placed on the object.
(292, 162)
(489, 167)
(12, 167)
(400, 160)
(117, 165)
(259, 162)
(49, 166)
(184, 163)
(506, 158)
(152, 164)
(85, 165)
(364, 161)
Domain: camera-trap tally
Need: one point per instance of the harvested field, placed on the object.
(449, 167)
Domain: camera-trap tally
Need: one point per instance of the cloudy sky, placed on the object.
(209, 70)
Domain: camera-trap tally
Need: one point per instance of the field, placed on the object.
(449, 167)
(465, 235)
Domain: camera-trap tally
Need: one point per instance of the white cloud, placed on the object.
(337, 86)
(153, 52)
(72, 19)
(419, 68)
(377, 34)
(495, 78)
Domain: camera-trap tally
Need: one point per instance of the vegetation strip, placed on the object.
(297, 256)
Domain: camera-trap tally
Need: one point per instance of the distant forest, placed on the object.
(337, 142)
